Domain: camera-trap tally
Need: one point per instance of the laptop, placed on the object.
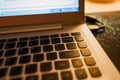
(49, 40)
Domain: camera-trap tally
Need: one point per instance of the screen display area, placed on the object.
(31, 7)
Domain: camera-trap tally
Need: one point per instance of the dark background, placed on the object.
(109, 38)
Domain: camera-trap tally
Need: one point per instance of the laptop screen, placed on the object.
(33, 7)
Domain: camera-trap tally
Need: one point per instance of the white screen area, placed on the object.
(30, 7)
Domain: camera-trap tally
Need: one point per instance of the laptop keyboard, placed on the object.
(47, 57)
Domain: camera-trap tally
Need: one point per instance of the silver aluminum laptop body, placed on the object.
(50, 24)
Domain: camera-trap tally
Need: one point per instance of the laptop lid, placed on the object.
(15, 13)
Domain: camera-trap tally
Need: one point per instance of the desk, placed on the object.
(110, 37)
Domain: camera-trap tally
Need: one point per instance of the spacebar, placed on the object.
(69, 54)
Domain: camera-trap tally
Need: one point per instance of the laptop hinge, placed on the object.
(16, 29)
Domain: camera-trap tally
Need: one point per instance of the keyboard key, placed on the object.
(94, 71)
(90, 61)
(32, 68)
(16, 78)
(81, 73)
(44, 41)
(12, 40)
(54, 35)
(1, 46)
(77, 63)
(24, 59)
(82, 45)
(32, 77)
(51, 56)
(50, 76)
(64, 34)
(47, 48)
(1, 53)
(75, 33)
(59, 47)
(3, 72)
(3, 40)
(11, 61)
(1, 62)
(69, 54)
(71, 46)
(85, 52)
(44, 36)
(35, 49)
(79, 38)
(33, 43)
(45, 66)
(38, 57)
(34, 37)
(10, 52)
(66, 75)
(55, 40)
(23, 39)
(10, 45)
(23, 51)
(62, 64)
(17, 70)
(22, 44)
(67, 39)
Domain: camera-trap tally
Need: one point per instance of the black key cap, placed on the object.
(47, 48)
(45, 66)
(17, 70)
(77, 63)
(66, 75)
(95, 72)
(12, 40)
(55, 40)
(32, 68)
(1, 46)
(16, 78)
(64, 34)
(79, 38)
(82, 45)
(62, 64)
(71, 46)
(32, 77)
(85, 52)
(34, 37)
(44, 36)
(59, 47)
(1, 62)
(3, 40)
(23, 39)
(33, 43)
(50, 76)
(75, 33)
(10, 52)
(69, 54)
(23, 51)
(81, 73)
(90, 61)
(67, 39)
(22, 44)
(54, 35)
(24, 59)
(51, 56)
(11, 61)
(38, 57)
(1, 53)
(44, 41)
(35, 49)
(3, 72)
(10, 45)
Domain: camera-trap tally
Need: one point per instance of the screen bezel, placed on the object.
(63, 18)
